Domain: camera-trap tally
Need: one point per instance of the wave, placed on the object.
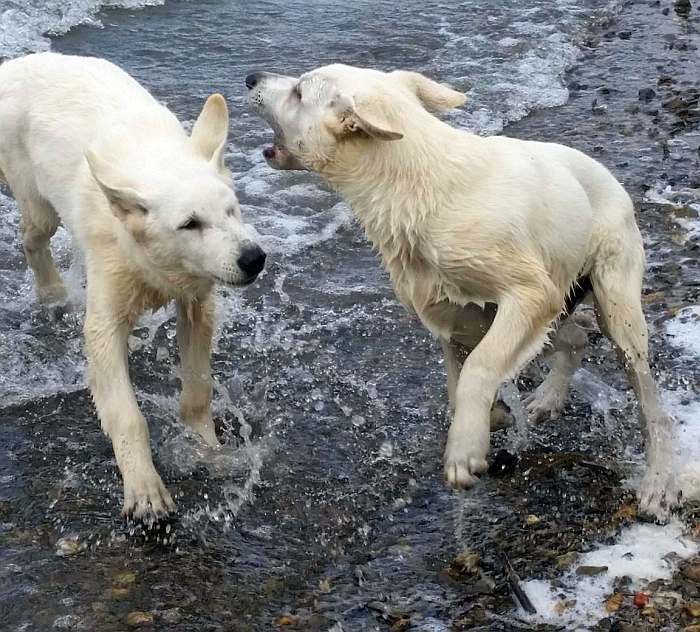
(26, 24)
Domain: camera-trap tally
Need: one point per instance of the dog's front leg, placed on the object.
(517, 333)
(195, 327)
(145, 496)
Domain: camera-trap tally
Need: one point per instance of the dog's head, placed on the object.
(177, 205)
(313, 115)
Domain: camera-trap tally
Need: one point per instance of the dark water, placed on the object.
(326, 501)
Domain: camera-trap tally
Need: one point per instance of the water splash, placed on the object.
(26, 24)
(601, 397)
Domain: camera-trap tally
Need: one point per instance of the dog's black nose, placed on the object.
(251, 80)
(252, 261)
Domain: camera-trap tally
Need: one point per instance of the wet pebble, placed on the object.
(171, 615)
(692, 609)
(640, 599)
(692, 571)
(122, 579)
(137, 619)
(646, 94)
(565, 561)
(613, 603)
(466, 563)
(117, 593)
(591, 571)
(66, 622)
(69, 545)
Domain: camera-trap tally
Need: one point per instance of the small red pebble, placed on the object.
(641, 599)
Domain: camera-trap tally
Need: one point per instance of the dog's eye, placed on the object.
(191, 224)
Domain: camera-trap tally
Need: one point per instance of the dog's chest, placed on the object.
(436, 301)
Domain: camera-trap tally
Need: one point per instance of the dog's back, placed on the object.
(58, 105)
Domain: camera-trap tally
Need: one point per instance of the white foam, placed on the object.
(684, 330)
(25, 24)
(677, 198)
(642, 552)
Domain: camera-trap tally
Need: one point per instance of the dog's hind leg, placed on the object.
(548, 399)
(39, 224)
(617, 285)
(195, 328)
(517, 333)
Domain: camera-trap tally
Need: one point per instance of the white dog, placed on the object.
(463, 221)
(152, 208)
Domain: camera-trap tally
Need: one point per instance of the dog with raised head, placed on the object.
(153, 210)
(486, 240)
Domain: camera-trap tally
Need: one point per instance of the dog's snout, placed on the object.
(252, 80)
(252, 260)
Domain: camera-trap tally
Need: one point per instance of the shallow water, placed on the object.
(327, 499)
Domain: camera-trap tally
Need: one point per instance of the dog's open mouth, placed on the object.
(279, 157)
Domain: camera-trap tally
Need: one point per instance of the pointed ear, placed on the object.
(210, 131)
(434, 96)
(124, 199)
(352, 122)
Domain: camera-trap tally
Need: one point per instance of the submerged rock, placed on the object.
(591, 571)
(69, 545)
(466, 563)
(646, 94)
(137, 619)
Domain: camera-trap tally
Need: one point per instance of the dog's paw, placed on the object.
(146, 497)
(463, 465)
(547, 401)
(205, 428)
(658, 494)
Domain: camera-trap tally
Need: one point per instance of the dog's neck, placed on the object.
(394, 187)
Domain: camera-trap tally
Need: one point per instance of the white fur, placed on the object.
(82, 143)
(459, 220)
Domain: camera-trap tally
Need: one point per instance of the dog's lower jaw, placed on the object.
(465, 452)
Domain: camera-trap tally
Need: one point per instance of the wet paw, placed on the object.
(463, 465)
(546, 402)
(146, 497)
(53, 297)
(658, 494)
(205, 428)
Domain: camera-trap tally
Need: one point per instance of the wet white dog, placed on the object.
(463, 221)
(153, 210)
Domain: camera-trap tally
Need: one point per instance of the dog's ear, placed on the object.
(353, 122)
(434, 96)
(126, 202)
(210, 131)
